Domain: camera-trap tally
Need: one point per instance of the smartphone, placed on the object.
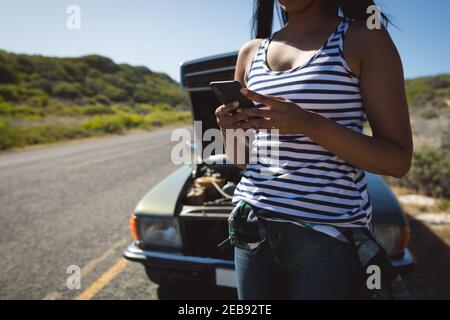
(230, 91)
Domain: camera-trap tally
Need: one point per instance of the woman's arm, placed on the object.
(389, 150)
(224, 114)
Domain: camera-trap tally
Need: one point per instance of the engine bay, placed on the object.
(212, 184)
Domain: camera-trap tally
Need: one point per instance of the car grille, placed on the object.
(201, 237)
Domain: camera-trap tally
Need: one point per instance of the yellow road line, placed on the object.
(104, 279)
(89, 266)
(52, 296)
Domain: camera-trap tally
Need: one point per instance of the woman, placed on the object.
(319, 78)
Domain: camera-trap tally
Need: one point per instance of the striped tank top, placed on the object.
(308, 182)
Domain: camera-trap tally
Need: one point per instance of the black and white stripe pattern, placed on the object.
(308, 181)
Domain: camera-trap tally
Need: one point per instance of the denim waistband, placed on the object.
(248, 232)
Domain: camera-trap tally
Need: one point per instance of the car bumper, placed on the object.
(176, 266)
(209, 270)
(405, 262)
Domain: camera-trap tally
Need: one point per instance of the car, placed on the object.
(176, 231)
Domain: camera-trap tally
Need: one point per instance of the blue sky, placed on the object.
(160, 33)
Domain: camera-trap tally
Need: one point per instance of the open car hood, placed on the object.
(195, 78)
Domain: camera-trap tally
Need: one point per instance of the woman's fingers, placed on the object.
(265, 99)
(258, 123)
(227, 108)
(254, 112)
(247, 118)
(237, 118)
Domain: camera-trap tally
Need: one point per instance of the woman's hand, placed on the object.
(282, 114)
(226, 118)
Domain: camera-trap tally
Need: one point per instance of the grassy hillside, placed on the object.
(45, 99)
(429, 102)
(429, 91)
(38, 82)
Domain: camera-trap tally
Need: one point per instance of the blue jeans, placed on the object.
(298, 263)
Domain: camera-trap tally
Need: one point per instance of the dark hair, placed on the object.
(263, 15)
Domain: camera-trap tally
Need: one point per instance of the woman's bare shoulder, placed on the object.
(246, 52)
(250, 46)
(363, 44)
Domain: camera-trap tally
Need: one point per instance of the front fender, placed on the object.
(163, 198)
(385, 206)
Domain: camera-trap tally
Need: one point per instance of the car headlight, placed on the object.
(394, 239)
(159, 232)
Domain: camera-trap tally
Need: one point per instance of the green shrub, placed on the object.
(183, 116)
(430, 173)
(156, 119)
(7, 75)
(104, 124)
(95, 110)
(444, 205)
(100, 63)
(9, 137)
(102, 99)
(428, 91)
(10, 93)
(19, 111)
(27, 111)
(64, 110)
(162, 107)
(66, 90)
(143, 108)
(121, 108)
(6, 108)
(131, 120)
(41, 83)
(114, 93)
(142, 94)
(50, 133)
(38, 100)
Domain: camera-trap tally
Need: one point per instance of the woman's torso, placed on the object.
(307, 181)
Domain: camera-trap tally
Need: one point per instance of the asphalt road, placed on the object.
(70, 205)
